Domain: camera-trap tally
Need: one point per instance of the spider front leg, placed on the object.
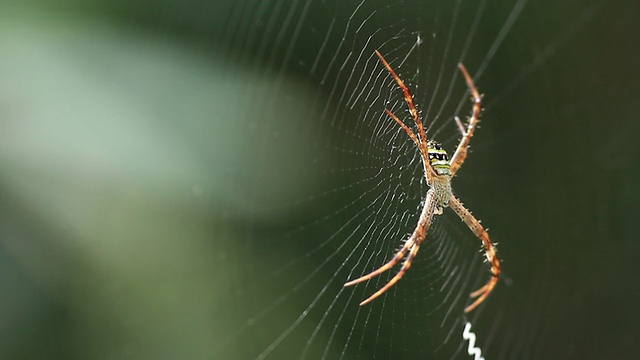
(412, 243)
(489, 250)
(403, 270)
(461, 151)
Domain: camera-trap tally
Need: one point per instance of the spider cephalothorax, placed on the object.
(438, 172)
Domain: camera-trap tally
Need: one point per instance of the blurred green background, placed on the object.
(152, 154)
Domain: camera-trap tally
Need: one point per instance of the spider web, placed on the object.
(365, 183)
(202, 181)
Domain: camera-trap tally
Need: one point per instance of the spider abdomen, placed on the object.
(438, 158)
(441, 182)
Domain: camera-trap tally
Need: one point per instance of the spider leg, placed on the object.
(405, 266)
(460, 126)
(461, 151)
(398, 256)
(409, 99)
(405, 127)
(412, 243)
(489, 250)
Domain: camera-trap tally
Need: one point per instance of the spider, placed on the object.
(438, 171)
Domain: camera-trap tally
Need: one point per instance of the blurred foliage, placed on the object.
(137, 159)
